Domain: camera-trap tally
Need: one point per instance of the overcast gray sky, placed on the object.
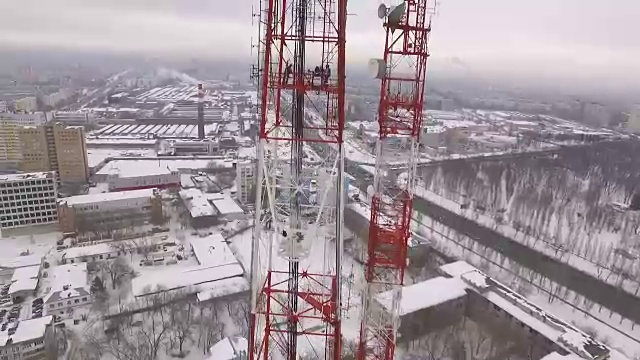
(512, 37)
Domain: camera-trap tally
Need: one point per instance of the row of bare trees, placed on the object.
(175, 328)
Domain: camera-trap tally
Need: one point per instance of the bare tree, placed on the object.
(145, 246)
(182, 320)
(117, 270)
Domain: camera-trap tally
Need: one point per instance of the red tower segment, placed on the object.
(402, 72)
(296, 297)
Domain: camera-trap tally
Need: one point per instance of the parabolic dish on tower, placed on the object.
(377, 68)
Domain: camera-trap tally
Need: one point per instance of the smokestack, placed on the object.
(200, 112)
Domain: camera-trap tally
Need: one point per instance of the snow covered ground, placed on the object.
(561, 253)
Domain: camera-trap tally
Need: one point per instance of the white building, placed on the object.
(634, 120)
(24, 282)
(29, 119)
(122, 175)
(27, 339)
(27, 199)
(69, 290)
(245, 180)
(112, 210)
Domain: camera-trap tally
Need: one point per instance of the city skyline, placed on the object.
(539, 41)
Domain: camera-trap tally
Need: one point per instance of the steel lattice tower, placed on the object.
(402, 72)
(295, 296)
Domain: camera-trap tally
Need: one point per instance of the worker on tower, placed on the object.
(326, 75)
(288, 70)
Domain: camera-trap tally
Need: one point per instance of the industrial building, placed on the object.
(27, 199)
(465, 292)
(54, 147)
(131, 174)
(108, 212)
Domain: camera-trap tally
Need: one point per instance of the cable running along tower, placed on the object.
(295, 296)
(402, 73)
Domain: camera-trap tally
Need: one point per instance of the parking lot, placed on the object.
(11, 313)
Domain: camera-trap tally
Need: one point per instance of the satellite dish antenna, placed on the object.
(370, 191)
(382, 11)
(377, 68)
(396, 14)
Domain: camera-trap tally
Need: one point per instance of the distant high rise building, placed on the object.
(54, 147)
(28, 104)
(595, 114)
(9, 141)
(633, 125)
(245, 181)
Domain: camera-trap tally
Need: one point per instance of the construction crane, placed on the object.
(402, 72)
(295, 296)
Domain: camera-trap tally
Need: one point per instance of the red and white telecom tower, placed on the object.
(402, 72)
(301, 74)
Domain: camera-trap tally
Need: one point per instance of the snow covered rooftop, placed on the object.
(27, 330)
(96, 156)
(193, 279)
(27, 176)
(226, 205)
(196, 202)
(107, 197)
(23, 285)
(27, 272)
(89, 250)
(235, 348)
(425, 294)
(457, 268)
(212, 250)
(224, 288)
(136, 167)
(69, 276)
(21, 261)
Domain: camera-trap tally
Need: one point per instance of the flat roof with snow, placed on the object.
(27, 176)
(196, 202)
(107, 197)
(425, 294)
(21, 261)
(89, 250)
(23, 285)
(224, 288)
(160, 166)
(212, 250)
(193, 279)
(234, 348)
(27, 272)
(70, 275)
(27, 330)
(226, 206)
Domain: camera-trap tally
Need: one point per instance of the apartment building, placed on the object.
(108, 212)
(10, 125)
(54, 147)
(27, 199)
(246, 181)
(28, 339)
(70, 290)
